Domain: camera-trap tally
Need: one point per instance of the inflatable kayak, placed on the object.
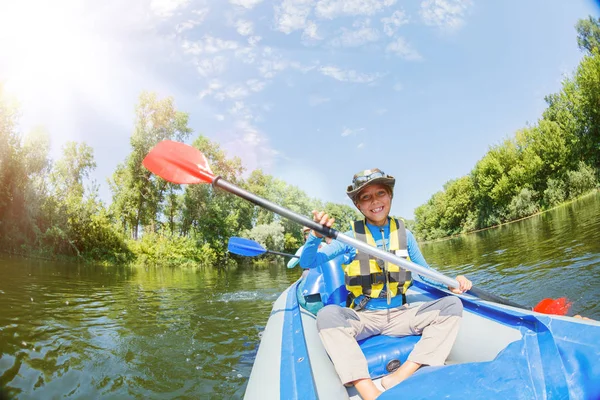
(501, 352)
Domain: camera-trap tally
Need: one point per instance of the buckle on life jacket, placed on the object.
(362, 303)
(357, 307)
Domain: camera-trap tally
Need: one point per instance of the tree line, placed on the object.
(51, 209)
(554, 160)
(47, 210)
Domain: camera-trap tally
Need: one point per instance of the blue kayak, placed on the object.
(501, 352)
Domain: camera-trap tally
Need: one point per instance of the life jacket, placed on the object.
(365, 274)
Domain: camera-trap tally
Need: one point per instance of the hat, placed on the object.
(369, 177)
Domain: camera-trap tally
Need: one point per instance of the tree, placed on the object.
(212, 216)
(588, 34)
(15, 227)
(270, 236)
(71, 170)
(138, 194)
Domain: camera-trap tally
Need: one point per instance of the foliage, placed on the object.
(555, 192)
(523, 204)
(581, 181)
(588, 34)
(138, 195)
(270, 236)
(162, 249)
(343, 214)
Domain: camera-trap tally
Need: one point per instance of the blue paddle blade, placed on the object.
(245, 247)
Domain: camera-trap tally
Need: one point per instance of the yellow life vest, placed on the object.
(365, 276)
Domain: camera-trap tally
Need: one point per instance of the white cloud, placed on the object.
(381, 111)
(311, 32)
(213, 86)
(393, 22)
(208, 45)
(167, 8)
(210, 67)
(348, 131)
(347, 75)
(239, 109)
(220, 117)
(292, 15)
(232, 92)
(244, 27)
(315, 100)
(360, 146)
(271, 67)
(446, 14)
(398, 86)
(254, 40)
(401, 48)
(255, 85)
(249, 4)
(247, 55)
(355, 38)
(191, 23)
(331, 9)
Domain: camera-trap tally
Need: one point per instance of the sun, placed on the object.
(46, 49)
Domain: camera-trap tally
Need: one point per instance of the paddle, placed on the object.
(183, 164)
(250, 248)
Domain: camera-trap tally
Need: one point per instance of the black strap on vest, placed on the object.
(363, 258)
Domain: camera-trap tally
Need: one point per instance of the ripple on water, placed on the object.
(255, 295)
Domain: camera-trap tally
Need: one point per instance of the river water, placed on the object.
(82, 332)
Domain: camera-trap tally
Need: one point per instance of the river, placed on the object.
(71, 331)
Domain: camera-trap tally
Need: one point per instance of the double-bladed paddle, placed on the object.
(250, 248)
(183, 164)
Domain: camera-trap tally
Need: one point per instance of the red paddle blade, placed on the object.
(178, 163)
(558, 306)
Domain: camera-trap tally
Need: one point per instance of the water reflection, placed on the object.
(88, 332)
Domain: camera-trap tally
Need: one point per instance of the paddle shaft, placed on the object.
(282, 254)
(357, 244)
(330, 232)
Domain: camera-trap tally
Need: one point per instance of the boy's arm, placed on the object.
(312, 256)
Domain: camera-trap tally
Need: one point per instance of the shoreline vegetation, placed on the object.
(51, 209)
(565, 203)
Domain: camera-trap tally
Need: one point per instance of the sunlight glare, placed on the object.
(56, 57)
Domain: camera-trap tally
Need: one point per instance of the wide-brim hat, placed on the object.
(369, 177)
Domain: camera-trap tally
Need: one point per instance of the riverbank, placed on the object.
(563, 204)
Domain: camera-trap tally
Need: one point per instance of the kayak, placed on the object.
(501, 352)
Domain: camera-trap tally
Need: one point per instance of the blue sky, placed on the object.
(311, 91)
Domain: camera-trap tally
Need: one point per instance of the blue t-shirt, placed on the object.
(312, 257)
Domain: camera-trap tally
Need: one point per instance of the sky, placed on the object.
(311, 91)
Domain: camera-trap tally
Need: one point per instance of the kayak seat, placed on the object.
(385, 354)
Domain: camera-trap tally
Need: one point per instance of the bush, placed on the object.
(555, 192)
(581, 181)
(523, 204)
(158, 249)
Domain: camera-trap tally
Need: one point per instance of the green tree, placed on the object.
(270, 236)
(343, 215)
(581, 181)
(588, 34)
(212, 216)
(15, 226)
(138, 194)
